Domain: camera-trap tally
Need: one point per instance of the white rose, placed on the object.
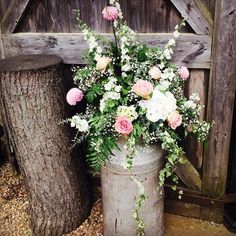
(155, 72)
(102, 63)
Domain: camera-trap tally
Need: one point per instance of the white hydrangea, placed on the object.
(128, 111)
(80, 124)
(159, 106)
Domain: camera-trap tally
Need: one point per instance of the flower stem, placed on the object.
(114, 32)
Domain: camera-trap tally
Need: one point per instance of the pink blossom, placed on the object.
(73, 96)
(143, 88)
(110, 13)
(123, 125)
(174, 119)
(183, 72)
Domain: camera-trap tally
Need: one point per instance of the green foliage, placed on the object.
(99, 150)
(93, 93)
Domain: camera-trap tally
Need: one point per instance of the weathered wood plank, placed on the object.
(13, 15)
(71, 46)
(221, 101)
(2, 51)
(197, 83)
(211, 6)
(189, 175)
(135, 13)
(196, 14)
(182, 208)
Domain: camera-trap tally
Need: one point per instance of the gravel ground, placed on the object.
(14, 215)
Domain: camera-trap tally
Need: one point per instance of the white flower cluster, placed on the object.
(127, 35)
(159, 106)
(80, 124)
(168, 75)
(127, 111)
(168, 50)
(195, 97)
(92, 42)
(192, 102)
(113, 92)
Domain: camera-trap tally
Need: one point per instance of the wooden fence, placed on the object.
(206, 47)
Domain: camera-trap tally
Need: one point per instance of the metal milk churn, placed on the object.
(119, 192)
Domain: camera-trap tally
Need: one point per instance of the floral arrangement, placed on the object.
(132, 91)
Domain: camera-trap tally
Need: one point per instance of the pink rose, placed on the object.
(73, 96)
(143, 88)
(110, 13)
(183, 72)
(174, 119)
(123, 125)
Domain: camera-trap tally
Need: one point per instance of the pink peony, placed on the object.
(123, 125)
(174, 119)
(110, 13)
(143, 88)
(73, 96)
(183, 72)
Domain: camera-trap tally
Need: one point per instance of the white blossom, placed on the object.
(164, 85)
(159, 106)
(127, 111)
(126, 67)
(176, 34)
(195, 97)
(80, 124)
(190, 104)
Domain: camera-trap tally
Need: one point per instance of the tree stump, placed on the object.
(33, 97)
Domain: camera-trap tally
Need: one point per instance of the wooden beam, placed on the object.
(2, 51)
(70, 46)
(221, 100)
(13, 15)
(197, 83)
(189, 175)
(196, 14)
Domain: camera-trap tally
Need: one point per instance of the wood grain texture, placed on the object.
(142, 15)
(221, 99)
(13, 15)
(135, 13)
(189, 175)
(197, 83)
(71, 46)
(196, 14)
(33, 99)
(211, 6)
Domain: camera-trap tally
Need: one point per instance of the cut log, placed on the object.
(33, 96)
(189, 175)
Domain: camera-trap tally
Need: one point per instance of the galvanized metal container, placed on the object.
(119, 192)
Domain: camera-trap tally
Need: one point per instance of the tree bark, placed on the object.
(33, 96)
